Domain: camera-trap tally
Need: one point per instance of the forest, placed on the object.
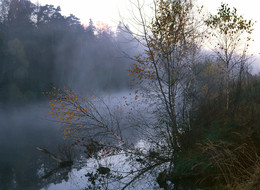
(40, 46)
(171, 104)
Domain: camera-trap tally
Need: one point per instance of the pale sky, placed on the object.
(108, 11)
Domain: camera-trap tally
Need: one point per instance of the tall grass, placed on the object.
(232, 165)
(228, 144)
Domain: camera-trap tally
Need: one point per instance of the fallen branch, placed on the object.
(54, 157)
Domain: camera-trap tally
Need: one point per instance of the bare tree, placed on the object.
(171, 39)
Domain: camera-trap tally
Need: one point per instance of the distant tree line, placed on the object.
(39, 45)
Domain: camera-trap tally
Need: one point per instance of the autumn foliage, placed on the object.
(193, 132)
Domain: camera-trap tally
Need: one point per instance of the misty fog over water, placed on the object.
(23, 128)
(41, 49)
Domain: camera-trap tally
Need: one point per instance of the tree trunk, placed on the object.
(227, 89)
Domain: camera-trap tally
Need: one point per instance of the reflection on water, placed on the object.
(22, 129)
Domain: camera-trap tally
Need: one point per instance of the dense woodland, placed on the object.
(201, 113)
(39, 46)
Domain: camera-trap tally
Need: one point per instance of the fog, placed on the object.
(41, 48)
(23, 128)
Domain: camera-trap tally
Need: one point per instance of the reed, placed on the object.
(233, 165)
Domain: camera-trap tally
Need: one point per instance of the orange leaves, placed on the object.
(52, 107)
(137, 68)
(65, 108)
(143, 69)
(162, 41)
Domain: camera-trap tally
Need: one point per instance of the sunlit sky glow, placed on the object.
(108, 11)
